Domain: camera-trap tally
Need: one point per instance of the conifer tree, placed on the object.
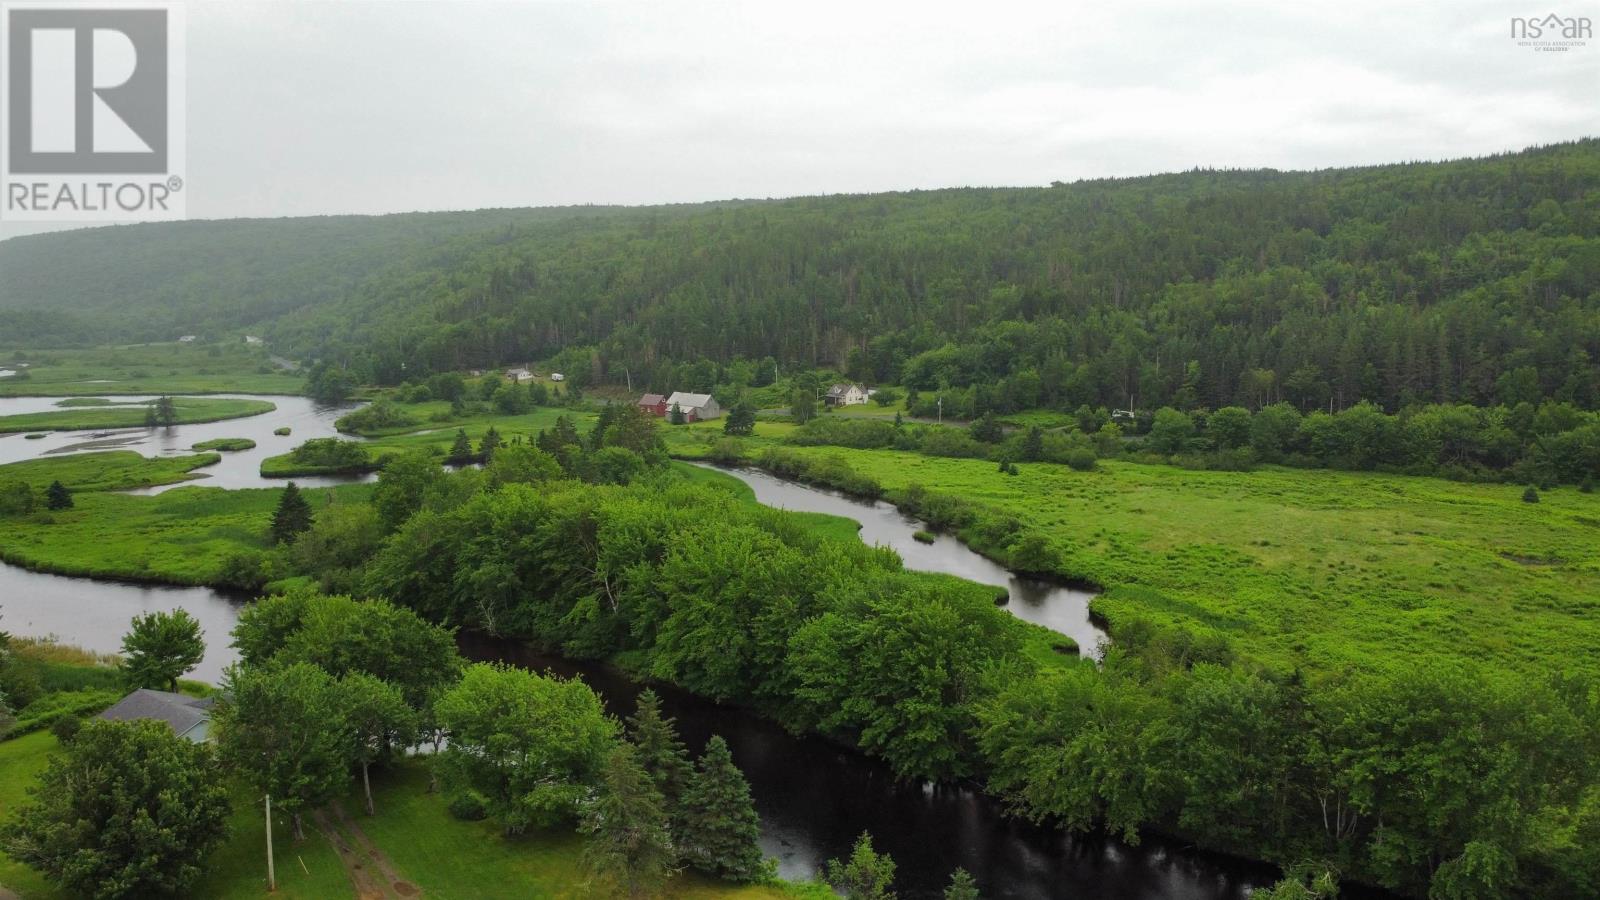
(461, 450)
(866, 875)
(720, 831)
(292, 517)
(962, 886)
(655, 737)
(629, 841)
(491, 441)
(57, 496)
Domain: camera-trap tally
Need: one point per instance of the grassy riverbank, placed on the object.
(107, 470)
(188, 411)
(1316, 569)
(434, 437)
(183, 536)
(172, 368)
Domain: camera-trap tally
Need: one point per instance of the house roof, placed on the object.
(651, 400)
(688, 401)
(182, 713)
(839, 390)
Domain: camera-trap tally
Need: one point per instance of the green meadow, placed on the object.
(181, 536)
(1316, 569)
(106, 470)
(170, 368)
(190, 410)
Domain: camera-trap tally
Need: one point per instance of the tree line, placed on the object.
(1468, 281)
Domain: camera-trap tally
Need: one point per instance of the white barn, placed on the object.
(695, 407)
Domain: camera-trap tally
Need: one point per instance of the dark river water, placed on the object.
(814, 797)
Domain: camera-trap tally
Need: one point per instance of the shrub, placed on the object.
(380, 414)
(954, 443)
(1082, 459)
(729, 451)
(923, 536)
(66, 728)
(860, 434)
(1531, 495)
(468, 806)
(330, 453)
(244, 569)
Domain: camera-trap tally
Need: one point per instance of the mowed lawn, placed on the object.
(1311, 568)
(443, 856)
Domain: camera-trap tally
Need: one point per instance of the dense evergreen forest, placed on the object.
(1468, 281)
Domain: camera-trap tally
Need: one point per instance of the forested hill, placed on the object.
(1473, 280)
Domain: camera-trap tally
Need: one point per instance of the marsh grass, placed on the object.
(189, 411)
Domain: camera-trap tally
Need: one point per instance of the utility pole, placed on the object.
(941, 409)
(272, 878)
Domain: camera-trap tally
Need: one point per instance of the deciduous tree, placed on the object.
(126, 809)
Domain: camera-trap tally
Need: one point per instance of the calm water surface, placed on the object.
(1061, 609)
(304, 417)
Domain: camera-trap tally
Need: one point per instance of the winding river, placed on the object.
(814, 797)
(1061, 609)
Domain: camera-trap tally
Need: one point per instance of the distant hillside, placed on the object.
(1473, 280)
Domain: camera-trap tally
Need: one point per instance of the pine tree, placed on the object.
(866, 875)
(655, 737)
(1033, 445)
(741, 421)
(461, 450)
(720, 830)
(627, 826)
(676, 415)
(491, 441)
(57, 496)
(961, 887)
(292, 516)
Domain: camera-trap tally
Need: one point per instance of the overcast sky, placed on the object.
(307, 108)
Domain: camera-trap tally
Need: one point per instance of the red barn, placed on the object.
(654, 404)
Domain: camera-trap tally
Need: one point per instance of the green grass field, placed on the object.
(1312, 568)
(174, 368)
(107, 470)
(21, 761)
(189, 410)
(182, 536)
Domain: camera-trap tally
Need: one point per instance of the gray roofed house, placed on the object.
(695, 407)
(188, 717)
(846, 395)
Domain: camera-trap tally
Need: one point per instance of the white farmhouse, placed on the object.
(695, 407)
